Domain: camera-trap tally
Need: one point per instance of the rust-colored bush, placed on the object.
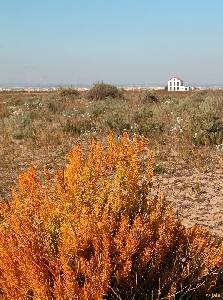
(96, 232)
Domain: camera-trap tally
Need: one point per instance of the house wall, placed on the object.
(175, 84)
(184, 88)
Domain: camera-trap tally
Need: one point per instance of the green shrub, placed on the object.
(52, 107)
(117, 122)
(149, 128)
(142, 114)
(68, 92)
(77, 127)
(150, 96)
(205, 122)
(97, 109)
(212, 135)
(102, 90)
(159, 169)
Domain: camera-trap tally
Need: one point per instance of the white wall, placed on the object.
(184, 88)
(175, 84)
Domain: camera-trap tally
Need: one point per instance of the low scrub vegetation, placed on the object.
(35, 125)
(98, 231)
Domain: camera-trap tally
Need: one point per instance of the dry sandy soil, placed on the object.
(196, 195)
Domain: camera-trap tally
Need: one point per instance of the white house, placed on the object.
(176, 84)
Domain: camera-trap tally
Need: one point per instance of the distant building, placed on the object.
(176, 84)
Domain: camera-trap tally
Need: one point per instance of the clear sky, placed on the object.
(117, 41)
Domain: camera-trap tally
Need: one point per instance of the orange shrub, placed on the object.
(97, 232)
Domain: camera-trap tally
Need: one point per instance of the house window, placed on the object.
(178, 88)
(178, 83)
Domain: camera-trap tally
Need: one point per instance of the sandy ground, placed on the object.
(196, 197)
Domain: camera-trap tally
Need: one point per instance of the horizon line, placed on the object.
(56, 84)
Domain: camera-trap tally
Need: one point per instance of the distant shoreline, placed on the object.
(54, 86)
(87, 87)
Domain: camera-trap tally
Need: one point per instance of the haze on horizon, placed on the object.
(125, 41)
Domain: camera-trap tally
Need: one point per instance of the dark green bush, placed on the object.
(102, 90)
(77, 127)
(52, 107)
(142, 114)
(149, 128)
(150, 96)
(159, 169)
(212, 135)
(117, 123)
(69, 92)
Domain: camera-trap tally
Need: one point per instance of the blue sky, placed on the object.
(117, 41)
